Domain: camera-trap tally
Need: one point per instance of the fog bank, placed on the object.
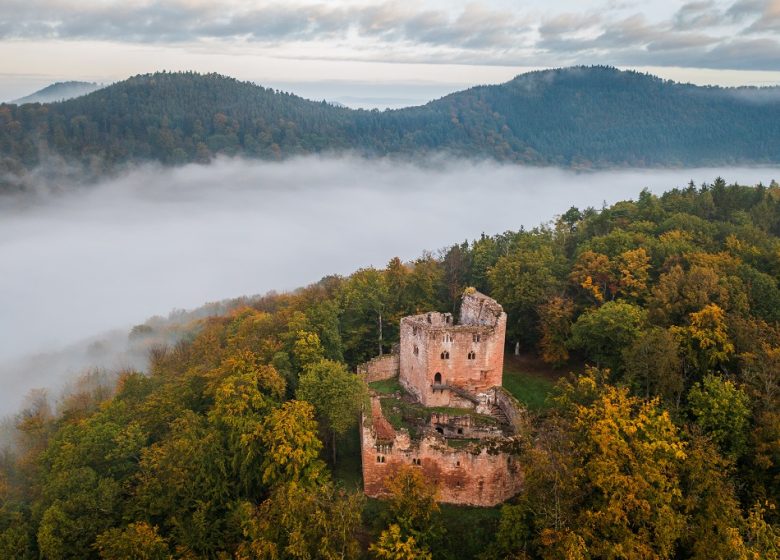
(155, 239)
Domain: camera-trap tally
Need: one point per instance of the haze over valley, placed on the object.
(155, 239)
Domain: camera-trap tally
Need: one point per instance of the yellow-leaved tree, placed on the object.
(292, 448)
(705, 342)
(412, 523)
(555, 319)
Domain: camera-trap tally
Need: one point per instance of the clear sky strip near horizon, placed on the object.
(384, 53)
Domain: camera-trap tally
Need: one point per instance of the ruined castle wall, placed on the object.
(380, 368)
(414, 358)
(418, 371)
(510, 406)
(462, 477)
(478, 309)
(473, 351)
(444, 364)
(485, 370)
(493, 352)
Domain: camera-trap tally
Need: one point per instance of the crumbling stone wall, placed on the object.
(380, 368)
(510, 406)
(441, 363)
(436, 353)
(463, 427)
(479, 309)
(479, 477)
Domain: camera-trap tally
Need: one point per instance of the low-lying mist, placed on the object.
(111, 255)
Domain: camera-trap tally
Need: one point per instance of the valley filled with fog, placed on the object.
(79, 263)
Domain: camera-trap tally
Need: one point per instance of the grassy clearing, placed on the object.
(530, 388)
(386, 386)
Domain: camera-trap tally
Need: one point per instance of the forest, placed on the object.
(583, 117)
(660, 439)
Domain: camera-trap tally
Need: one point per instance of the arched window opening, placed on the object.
(437, 378)
(416, 351)
(475, 337)
(445, 355)
(472, 355)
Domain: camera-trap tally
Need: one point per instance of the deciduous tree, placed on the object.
(292, 447)
(603, 333)
(303, 523)
(337, 395)
(555, 319)
(137, 541)
(722, 410)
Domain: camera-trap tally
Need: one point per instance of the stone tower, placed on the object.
(443, 363)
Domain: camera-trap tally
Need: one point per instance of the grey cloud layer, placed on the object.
(736, 34)
(84, 261)
(743, 35)
(473, 27)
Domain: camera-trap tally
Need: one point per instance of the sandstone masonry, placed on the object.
(465, 444)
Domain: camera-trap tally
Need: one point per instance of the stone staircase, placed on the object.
(498, 414)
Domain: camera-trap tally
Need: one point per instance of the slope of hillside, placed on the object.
(602, 116)
(226, 446)
(59, 91)
(579, 117)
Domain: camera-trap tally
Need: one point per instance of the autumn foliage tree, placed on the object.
(555, 320)
(411, 517)
(338, 396)
(292, 448)
(215, 449)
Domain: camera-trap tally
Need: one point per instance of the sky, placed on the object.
(384, 53)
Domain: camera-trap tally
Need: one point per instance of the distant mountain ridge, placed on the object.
(59, 91)
(574, 117)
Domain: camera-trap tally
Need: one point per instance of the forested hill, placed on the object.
(58, 91)
(573, 117)
(667, 448)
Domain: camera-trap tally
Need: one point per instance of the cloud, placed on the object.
(568, 23)
(697, 14)
(700, 34)
(697, 33)
(769, 18)
(744, 9)
(88, 260)
(157, 21)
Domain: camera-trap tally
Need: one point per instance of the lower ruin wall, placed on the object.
(483, 477)
(510, 406)
(380, 368)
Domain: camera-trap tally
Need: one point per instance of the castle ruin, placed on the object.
(447, 414)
